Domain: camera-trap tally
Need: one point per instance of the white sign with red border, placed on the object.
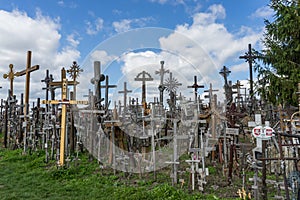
(261, 132)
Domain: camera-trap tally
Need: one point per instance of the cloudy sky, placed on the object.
(192, 37)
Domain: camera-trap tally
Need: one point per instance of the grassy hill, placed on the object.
(24, 176)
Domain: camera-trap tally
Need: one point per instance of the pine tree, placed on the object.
(281, 57)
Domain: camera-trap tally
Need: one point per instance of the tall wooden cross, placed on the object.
(225, 73)
(125, 91)
(96, 80)
(10, 75)
(250, 59)
(143, 76)
(161, 87)
(27, 72)
(64, 102)
(107, 86)
(196, 86)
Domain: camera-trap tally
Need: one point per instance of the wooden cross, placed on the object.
(64, 102)
(250, 59)
(161, 87)
(11, 75)
(196, 86)
(107, 86)
(125, 91)
(143, 76)
(98, 78)
(27, 72)
(74, 72)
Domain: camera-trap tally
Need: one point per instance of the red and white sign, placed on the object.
(262, 132)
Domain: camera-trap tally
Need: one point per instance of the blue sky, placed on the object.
(193, 37)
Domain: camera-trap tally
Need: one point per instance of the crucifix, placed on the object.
(96, 80)
(11, 75)
(161, 86)
(74, 72)
(125, 91)
(196, 86)
(107, 86)
(250, 59)
(64, 102)
(143, 76)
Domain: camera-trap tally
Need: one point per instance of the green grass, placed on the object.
(29, 177)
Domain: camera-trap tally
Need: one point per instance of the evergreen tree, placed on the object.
(281, 58)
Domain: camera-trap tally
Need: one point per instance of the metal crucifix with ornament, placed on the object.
(11, 76)
(64, 102)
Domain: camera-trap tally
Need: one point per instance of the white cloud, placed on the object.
(263, 12)
(41, 35)
(94, 28)
(127, 24)
(200, 48)
(122, 26)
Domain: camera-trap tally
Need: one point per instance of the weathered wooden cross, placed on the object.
(196, 86)
(125, 91)
(98, 78)
(107, 86)
(143, 76)
(64, 102)
(11, 75)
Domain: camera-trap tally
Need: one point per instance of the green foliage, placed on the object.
(281, 56)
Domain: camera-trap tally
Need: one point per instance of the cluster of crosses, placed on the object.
(132, 136)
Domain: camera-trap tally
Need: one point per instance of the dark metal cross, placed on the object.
(161, 87)
(11, 75)
(250, 59)
(196, 86)
(107, 86)
(225, 73)
(125, 91)
(143, 76)
(74, 72)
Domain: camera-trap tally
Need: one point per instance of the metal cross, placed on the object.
(11, 75)
(125, 91)
(74, 72)
(107, 86)
(143, 76)
(250, 59)
(196, 86)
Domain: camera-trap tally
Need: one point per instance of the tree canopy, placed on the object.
(281, 56)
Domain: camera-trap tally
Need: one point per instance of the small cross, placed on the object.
(125, 91)
(196, 86)
(10, 75)
(107, 86)
(143, 76)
